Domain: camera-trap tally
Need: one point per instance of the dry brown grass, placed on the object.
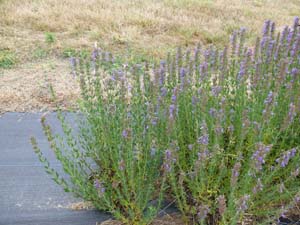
(150, 27)
(26, 88)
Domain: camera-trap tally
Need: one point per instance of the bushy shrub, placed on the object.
(219, 127)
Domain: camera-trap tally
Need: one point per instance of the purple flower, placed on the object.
(73, 62)
(269, 98)
(99, 186)
(260, 154)
(203, 70)
(283, 35)
(172, 109)
(174, 95)
(270, 50)
(289, 37)
(163, 91)
(212, 112)
(203, 140)
(162, 73)
(297, 198)
(285, 157)
(272, 28)
(125, 133)
(154, 121)
(242, 71)
(203, 155)
(216, 90)
(182, 77)
(168, 154)
(263, 42)
(203, 211)
(235, 173)
(182, 73)
(195, 100)
(121, 165)
(266, 28)
(258, 187)
(168, 161)
(95, 54)
(242, 203)
(219, 130)
(233, 41)
(294, 71)
(292, 112)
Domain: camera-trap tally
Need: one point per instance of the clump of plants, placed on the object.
(216, 131)
(7, 59)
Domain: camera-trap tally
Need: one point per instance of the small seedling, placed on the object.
(49, 37)
(7, 59)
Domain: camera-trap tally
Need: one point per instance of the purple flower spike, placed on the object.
(99, 186)
(203, 155)
(285, 157)
(121, 165)
(168, 161)
(242, 71)
(203, 140)
(272, 28)
(212, 112)
(172, 110)
(269, 98)
(195, 100)
(292, 112)
(203, 211)
(242, 204)
(125, 133)
(216, 90)
(260, 155)
(174, 95)
(163, 91)
(259, 186)
(235, 173)
(266, 28)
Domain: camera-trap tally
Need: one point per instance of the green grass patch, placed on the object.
(7, 59)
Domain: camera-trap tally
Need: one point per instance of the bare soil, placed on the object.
(26, 88)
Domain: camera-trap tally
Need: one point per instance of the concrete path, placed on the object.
(28, 196)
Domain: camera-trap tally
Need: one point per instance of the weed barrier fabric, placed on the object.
(27, 194)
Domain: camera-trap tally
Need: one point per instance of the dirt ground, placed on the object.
(26, 88)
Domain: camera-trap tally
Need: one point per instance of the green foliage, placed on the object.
(49, 38)
(217, 131)
(69, 52)
(7, 59)
(40, 53)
